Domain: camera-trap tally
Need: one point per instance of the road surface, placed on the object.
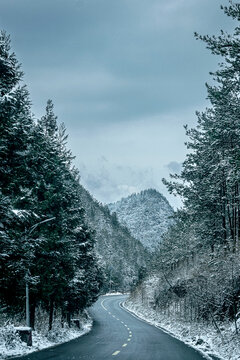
(117, 334)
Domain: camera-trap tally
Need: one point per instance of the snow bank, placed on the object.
(115, 293)
(11, 345)
(202, 337)
(23, 328)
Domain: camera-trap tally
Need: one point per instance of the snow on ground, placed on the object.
(115, 293)
(200, 336)
(11, 345)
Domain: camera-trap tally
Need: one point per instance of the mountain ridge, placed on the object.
(146, 214)
(120, 254)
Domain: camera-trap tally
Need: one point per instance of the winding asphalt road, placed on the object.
(117, 334)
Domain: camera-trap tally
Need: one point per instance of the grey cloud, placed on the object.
(109, 61)
(124, 77)
(93, 182)
(174, 167)
(109, 182)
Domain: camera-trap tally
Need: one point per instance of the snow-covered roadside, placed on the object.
(203, 338)
(115, 293)
(11, 345)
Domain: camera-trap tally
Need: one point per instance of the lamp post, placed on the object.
(27, 305)
(32, 228)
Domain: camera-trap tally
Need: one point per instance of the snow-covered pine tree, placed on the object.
(209, 182)
(60, 195)
(15, 137)
(42, 220)
(209, 186)
(48, 122)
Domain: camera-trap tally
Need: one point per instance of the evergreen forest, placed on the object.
(196, 274)
(62, 249)
(45, 244)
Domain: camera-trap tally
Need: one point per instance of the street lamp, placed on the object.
(32, 228)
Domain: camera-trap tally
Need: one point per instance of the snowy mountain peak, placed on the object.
(146, 214)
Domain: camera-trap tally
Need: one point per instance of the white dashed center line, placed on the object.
(116, 353)
(130, 333)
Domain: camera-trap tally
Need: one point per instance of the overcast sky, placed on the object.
(124, 75)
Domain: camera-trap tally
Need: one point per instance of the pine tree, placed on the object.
(15, 129)
(43, 237)
(48, 122)
(209, 182)
(209, 186)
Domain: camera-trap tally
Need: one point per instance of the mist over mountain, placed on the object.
(146, 214)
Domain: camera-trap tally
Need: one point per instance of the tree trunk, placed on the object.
(237, 217)
(51, 308)
(69, 318)
(63, 316)
(32, 314)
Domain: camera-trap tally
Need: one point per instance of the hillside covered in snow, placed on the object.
(121, 255)
(147, 215)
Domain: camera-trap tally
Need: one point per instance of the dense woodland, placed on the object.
(121, 255)
(44, 240)
(55, 238)
(197, 267)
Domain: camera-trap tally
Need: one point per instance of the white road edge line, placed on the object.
(204, 354)
(103, 305)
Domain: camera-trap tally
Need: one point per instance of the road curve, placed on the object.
(116, 334)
